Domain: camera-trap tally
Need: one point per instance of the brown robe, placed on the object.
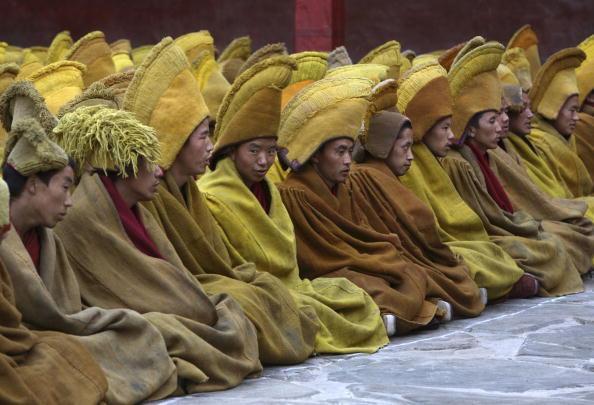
(212, 343)
(331, 242)
(584, 140)
(537, 252)
(390, 207)
(42, 367)
(286, 333)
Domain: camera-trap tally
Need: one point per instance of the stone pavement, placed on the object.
(519, 352)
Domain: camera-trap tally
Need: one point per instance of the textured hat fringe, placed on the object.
(372, 71)
(523, 37)
(60, 43)
(483, 58)
(203, 66)
(415, 79)
(97, 90)
(82, 41)
(26, 89)
(239, 48)
(474, 42)
(31, 130)
(121, 45)
(386, 54)
(310, 66)
(11, 68)
(48, 69)
(267, 51)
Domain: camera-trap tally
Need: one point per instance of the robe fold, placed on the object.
(121, 341)
(349, 319)
(390, 207)
(538, 253)
(212, 344)
(286, 333)
(459, 227)
(584, 141)
(43, 367)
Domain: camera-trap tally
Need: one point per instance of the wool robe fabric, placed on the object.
(537, 253)
(392, 208)
(42, 367)
(121, 341)
(584, 140)
(350, 321)
(286, 333)
(212, 344)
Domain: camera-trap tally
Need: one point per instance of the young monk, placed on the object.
(123, 259)
(476, 91)
(40, 367)
(584, 129)
(286, 333)
(40, 175)
(249, 210)
(424, 96)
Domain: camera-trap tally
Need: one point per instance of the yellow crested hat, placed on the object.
(474, 83)
(526, 38)
(121, 45)
(59, 47)
(510, 86)
(194, 43)
(29, 65)
(585, 72)
(39, 51)
(234, 56)
(93, 51)
(387, 54)
(555, 82)
(107, 139)
(372, 71)
(120, 54)
(13, 54)
(267, 51)
(446, 59)
(211, 81)
(339, 57)
(327, 109)
(515, 59)
(423, 59)
(311, 66)
(139, 53)
(506, 76)
(4, 206)
(251, 108)
(58, 83)
(164, 94)
(8, 74)
(424, 97)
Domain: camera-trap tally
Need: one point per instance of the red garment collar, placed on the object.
(33, 246)
(262, 194)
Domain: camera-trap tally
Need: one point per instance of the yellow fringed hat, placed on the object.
(107, 139)
(121, 45)
(474, 83)
(515, 59)
(120, 53)
(555, 82)
(96, 94)
(267, 51)
(29, 65)
(387, 54)
(374, 72)
(4, 207)
(58, 83)
(194, 43)
(164, 95)
(339, 57)
(138, 54)
(93, 51)
(446, 59)
(8, 74)
(311, 66)
(22, 101)
(585, 73)
(506, 76)
(424, 97)
(13, 54)
(327, 109)
(39, 51)
(423, 59)
(59, 47)
(239, 48)
(251, 108)
(512, 91)
(526, 38)
(211, 81)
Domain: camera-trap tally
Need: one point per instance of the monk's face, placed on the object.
(51, 201)
(195, 155)
(520, 123)
(588, 105)
(144, 186)
(504, 117)
(440, 137)
(568, 116)
(401, 157)
(333, 160)
(487, 133)
(254, 158)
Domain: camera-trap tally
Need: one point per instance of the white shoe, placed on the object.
(390, 324)
(446, 307)
(484, 295)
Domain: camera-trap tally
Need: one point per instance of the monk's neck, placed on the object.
(332, 185)
(180, 177)
(127, 195)
(478, 147)
(22, 217)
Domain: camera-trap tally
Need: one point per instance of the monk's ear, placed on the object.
(315, 158)
(32, 184)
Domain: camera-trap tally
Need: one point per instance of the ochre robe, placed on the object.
(584, 141)
(390, 207)
(42, 367)
(349, 319)
(459, 227)
(212, 343)
(538, 253)
(286, 333)
(121, 341)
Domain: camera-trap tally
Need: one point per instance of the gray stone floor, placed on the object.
(521, 352)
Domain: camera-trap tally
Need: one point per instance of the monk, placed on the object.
(584, 129)
(122, 258)
(255, 223)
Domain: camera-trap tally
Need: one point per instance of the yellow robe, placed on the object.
(349, 318)
(459, 227)
(286, 334)
(584, 140)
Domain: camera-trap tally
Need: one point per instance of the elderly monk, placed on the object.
(39, 175)
(249, 210)
(40, 367)
(286, 334)
(424, 96)
(333, 240)
(124, 260)
(476, 91)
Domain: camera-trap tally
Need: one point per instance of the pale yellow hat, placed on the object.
(372, 71)
(194, 43)
(234, 56)
(339, 57)
(474, 83)
(585, 72)
(22, 101)
(8, 74)
(39, 51)
(506, 76)
(59, 82)
(29, 65)
(59, 47)
(211, 81)
(327, 109)
(120, 53)
(165, 96)
(251, 108)
(515, 59)
(13, 54)
(121, 45)
(424, 96)
(311, 66)
(93, 51)
(139, 53)
(423, 59)
(555, 82)
(267, 51)
(526, 38)
(386, 54)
